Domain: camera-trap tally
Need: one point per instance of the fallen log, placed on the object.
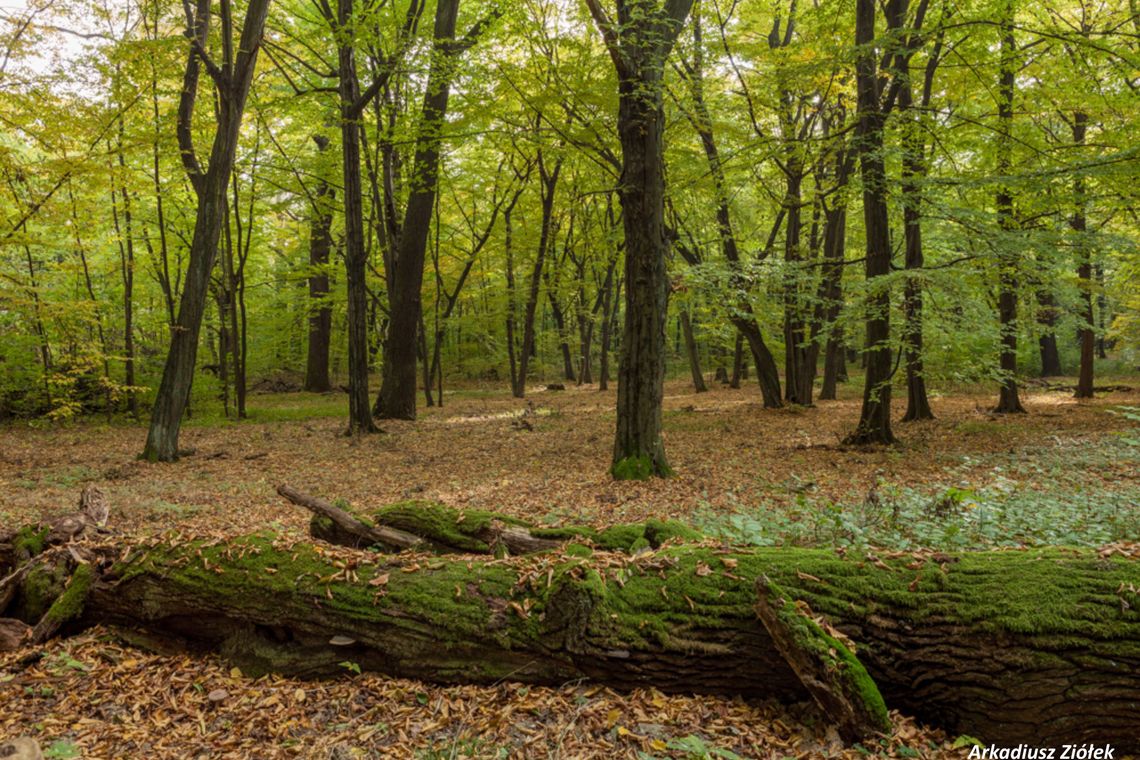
(343, 528)
(44, 578)
(826, 666)
(442, 529)
(1038, 646)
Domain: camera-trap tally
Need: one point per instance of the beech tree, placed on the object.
(639, 40)
(231, 79)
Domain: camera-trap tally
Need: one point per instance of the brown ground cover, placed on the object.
(543, 459)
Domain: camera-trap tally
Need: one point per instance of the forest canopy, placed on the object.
(202, 199)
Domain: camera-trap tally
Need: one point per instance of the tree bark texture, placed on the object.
(1009, 401)
(639, 41)
(1039, 646)
(1035, 646)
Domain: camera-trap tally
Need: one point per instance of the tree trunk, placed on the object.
(639, 450)
(693, 352)
(1014, 659)
(127, 270)
(548, 181)
(1038, 646)
(1047, 321)
(608, 309)
(355, 254)
(739, 362)
(741, 313)
(559, 315)
(639, 43)
(512, 299)
(397, 398)
(831, 279)
(211, 187)
(913, 172)
(875, 417)
(320, 311)
(1009, 401)
(1079, 224)
(798, 377)
(1101, 312)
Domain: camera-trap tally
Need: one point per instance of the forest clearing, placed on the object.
(1069, 473)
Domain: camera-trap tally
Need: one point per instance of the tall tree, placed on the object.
(875, 417)
(320, 247)
(232, 79)
(741, 312)
(397, 397)
(1078, 222)
(1007, 259)
(355, 257)
(639, 41)
(914, 170)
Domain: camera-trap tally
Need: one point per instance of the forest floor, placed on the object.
(1067, 473)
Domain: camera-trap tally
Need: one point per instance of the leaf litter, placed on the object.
(112, 700)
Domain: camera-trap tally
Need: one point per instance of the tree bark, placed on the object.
(639, 42)
(693, 352)
(320, 311)
(548, 182)
(1009, 401)
(355, 256)
(397, 398)
(608, 309)
(875, 417)
(913, 172)
(1038, 647)
(211, 187)
(799, 377)
(741, 313)
(739, 362)
(1079, 224)
(831, 279)
(1047, 342)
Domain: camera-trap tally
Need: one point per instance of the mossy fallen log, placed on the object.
(826, 666)
(1038, 646)
(443, 529)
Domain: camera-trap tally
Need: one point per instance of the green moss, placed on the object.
(447, 596)
(1073, 601)
(442, 525)
(319, 525)
(565, 533)
(658, 532)
(633, 468)
(650, 534)
(620, 537)
(1061, 597)
(579, 550)
(70, 604)
(839, 662)
(30, 541)
(42, 586)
